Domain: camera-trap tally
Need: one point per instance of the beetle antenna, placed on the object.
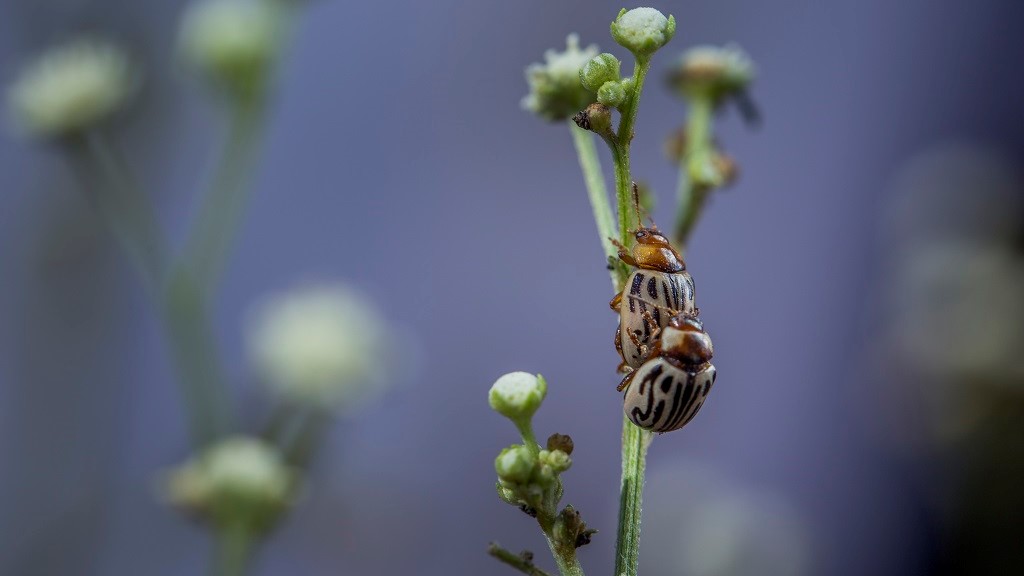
(639, 208)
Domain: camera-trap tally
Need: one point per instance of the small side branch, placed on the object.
(522, 562)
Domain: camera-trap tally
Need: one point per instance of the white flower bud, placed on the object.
(239, 479)
(71, 88)
(643, 30)
(556, 92)
(234, 41)
(517, 396)
(321, 346)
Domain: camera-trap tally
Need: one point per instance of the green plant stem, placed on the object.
(697, 174)
(125, 211)
(565, 557)
(635, 442)
(131, 219)
(521, 562)
(234, 547)
(529, 438)
(216, 224)
(620, 152)
(590, 165)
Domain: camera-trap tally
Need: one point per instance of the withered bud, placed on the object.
(561, 442)
(597, 118)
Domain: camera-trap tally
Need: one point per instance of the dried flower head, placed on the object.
(320, 345)
(556, 92)
(234, 41)
(238, 480)
(71, 88)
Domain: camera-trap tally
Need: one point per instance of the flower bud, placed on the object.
(643, 30)
(600, 69)
(597, 118)
(558, 461)
(234, 41)
(611, 94)
(71, 88)
(556, 92)
(517, 396)
(238, 480)
(713, 71)
(515, 464)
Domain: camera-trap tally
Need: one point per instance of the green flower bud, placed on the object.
(556, 459)
(601, 68)
(515, 464)
(643, 30)
(556, 92)
(517, 396)
(234, 41)
(239, 480)
(597, 118)
(611, 94)
(72, 88)
(712, 71)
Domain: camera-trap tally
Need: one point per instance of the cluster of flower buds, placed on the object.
(555, 90)
(529, 477)
(718, 73)
(239, 481)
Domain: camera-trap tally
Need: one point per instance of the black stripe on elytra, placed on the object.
(652, 288)
(695, 410)
(675, 294)
(657, 316)
(665, 293)
(638, 278)
(684, 404)
(651, 377)
(676, 405)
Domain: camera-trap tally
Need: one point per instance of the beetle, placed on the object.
(658, 289)
(669, 388)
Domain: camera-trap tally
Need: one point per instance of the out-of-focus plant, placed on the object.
(584, 89)
(316, 348)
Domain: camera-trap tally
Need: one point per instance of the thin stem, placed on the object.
(234, 547)
(635, 442)
(596, 189)
(522, 562)
(529, 439)
(195, 353)
(697, 173)
(125, 210)
(620, 152)
(565, 558)
(216, 224)
(133, 222)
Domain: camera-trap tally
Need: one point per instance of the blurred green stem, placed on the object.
(132, 220)
(697, 173)
(521, 562)
(216, 224)
(620, 146)
(590, 165)
(635, 442)
(234, 546)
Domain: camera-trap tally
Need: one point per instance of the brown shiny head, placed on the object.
(653, 251)
(685, 340)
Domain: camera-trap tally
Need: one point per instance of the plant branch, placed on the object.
(698, 175)
(234, 548)
(590, 165)
(216, 224)
(522, 561)
(635, 442)
(620, 152)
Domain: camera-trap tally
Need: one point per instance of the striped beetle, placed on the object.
(658, 289)
(668, 389)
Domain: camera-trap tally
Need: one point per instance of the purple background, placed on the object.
(398, 159)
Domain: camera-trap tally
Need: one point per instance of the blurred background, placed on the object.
(862, 283)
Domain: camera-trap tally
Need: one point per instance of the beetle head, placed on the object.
(653, 251)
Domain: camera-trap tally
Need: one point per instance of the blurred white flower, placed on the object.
(320, 345)
(718, 71)
(71, 88)
(237, 479)
(234, 41)
(556, 92)
(698, 523)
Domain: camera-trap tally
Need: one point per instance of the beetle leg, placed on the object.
(616, 302)
(652, 325)
(626, 381)
(624, 254)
